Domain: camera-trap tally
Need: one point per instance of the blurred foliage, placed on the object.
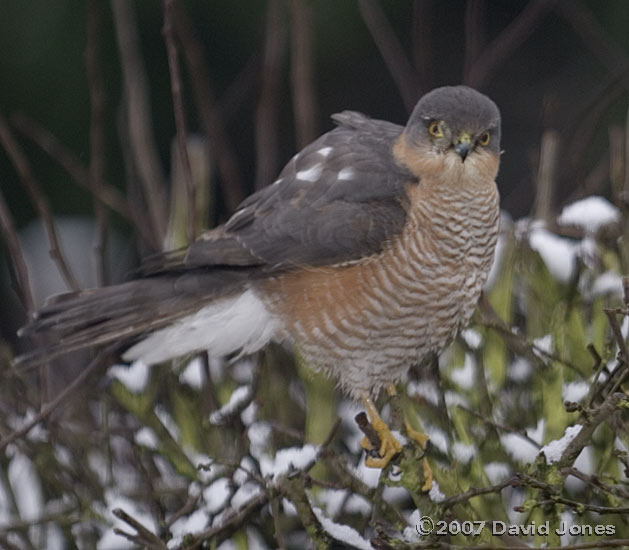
(207, 454)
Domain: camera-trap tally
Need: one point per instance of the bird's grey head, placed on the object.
(455, 118)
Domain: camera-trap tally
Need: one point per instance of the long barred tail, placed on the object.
(125, 312)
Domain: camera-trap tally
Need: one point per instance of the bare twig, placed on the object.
(150, 539)
(302, 73)
(141, 139)
(230, 524)
(222, 152)
(546, 178)
(507, 42)
(39, 201)
(391, 50)
(594, 481)
(476, 491)
(180, 117)
(21, 278)
(474, 33)
(49, 407)
(499, 426)
(97, 134)
(266, 133)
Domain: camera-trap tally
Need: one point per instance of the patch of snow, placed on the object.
(341, 533)
(435, 493)
(193, 374)
(543, 345)
(584, 463)
(259, 434)
(26, 485)
(453, 398)
(147, 438)
(246, 492)
(472, 337)
(194, 523)
(426, 389)
(239, 396)
(559, 254)
(369, 476)
(113, 500)
(134, 377)
(575, 391)
(606, 284)
(217, 494)
(519, 448)
(520, 369)
(464, 376)
(287, 459)
(554, 449)
(463, 452)
(497, 471)
(590, 213)
(167, 421)
(438, 438)
(410, 533)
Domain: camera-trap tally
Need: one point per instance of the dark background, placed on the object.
(549, 65)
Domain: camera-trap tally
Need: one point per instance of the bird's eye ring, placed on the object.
(484, 139)
(435, 129)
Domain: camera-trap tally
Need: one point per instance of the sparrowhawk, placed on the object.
(369, 251)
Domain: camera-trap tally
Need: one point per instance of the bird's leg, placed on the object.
(422, 439)
(389, 445)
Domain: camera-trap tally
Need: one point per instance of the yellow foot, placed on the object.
(389, 445)
(427, 486)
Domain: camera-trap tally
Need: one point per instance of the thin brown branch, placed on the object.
(39, 201)
(546, 175)
(499, 426)
(20, 269)
(97, 133)
(422, 40)
(266, 132)
(105, 193)
(595, 481)
(49, 407)
(302, 73)
(499, 50)
(391, 50)
(180, 117)
(139, 127)
(596, 38)
(145, 536)
(222, 151)
(477, 491)
(584, 437)
(231, 524)
(474, 33)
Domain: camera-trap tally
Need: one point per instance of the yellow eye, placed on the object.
(435, 129)
(484, 139)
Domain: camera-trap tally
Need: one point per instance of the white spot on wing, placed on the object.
(346, 174)
(325, 151)
(312, 173)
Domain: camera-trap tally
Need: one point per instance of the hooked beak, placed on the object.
(463, 145)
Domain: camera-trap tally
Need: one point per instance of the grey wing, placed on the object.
(340, 199)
